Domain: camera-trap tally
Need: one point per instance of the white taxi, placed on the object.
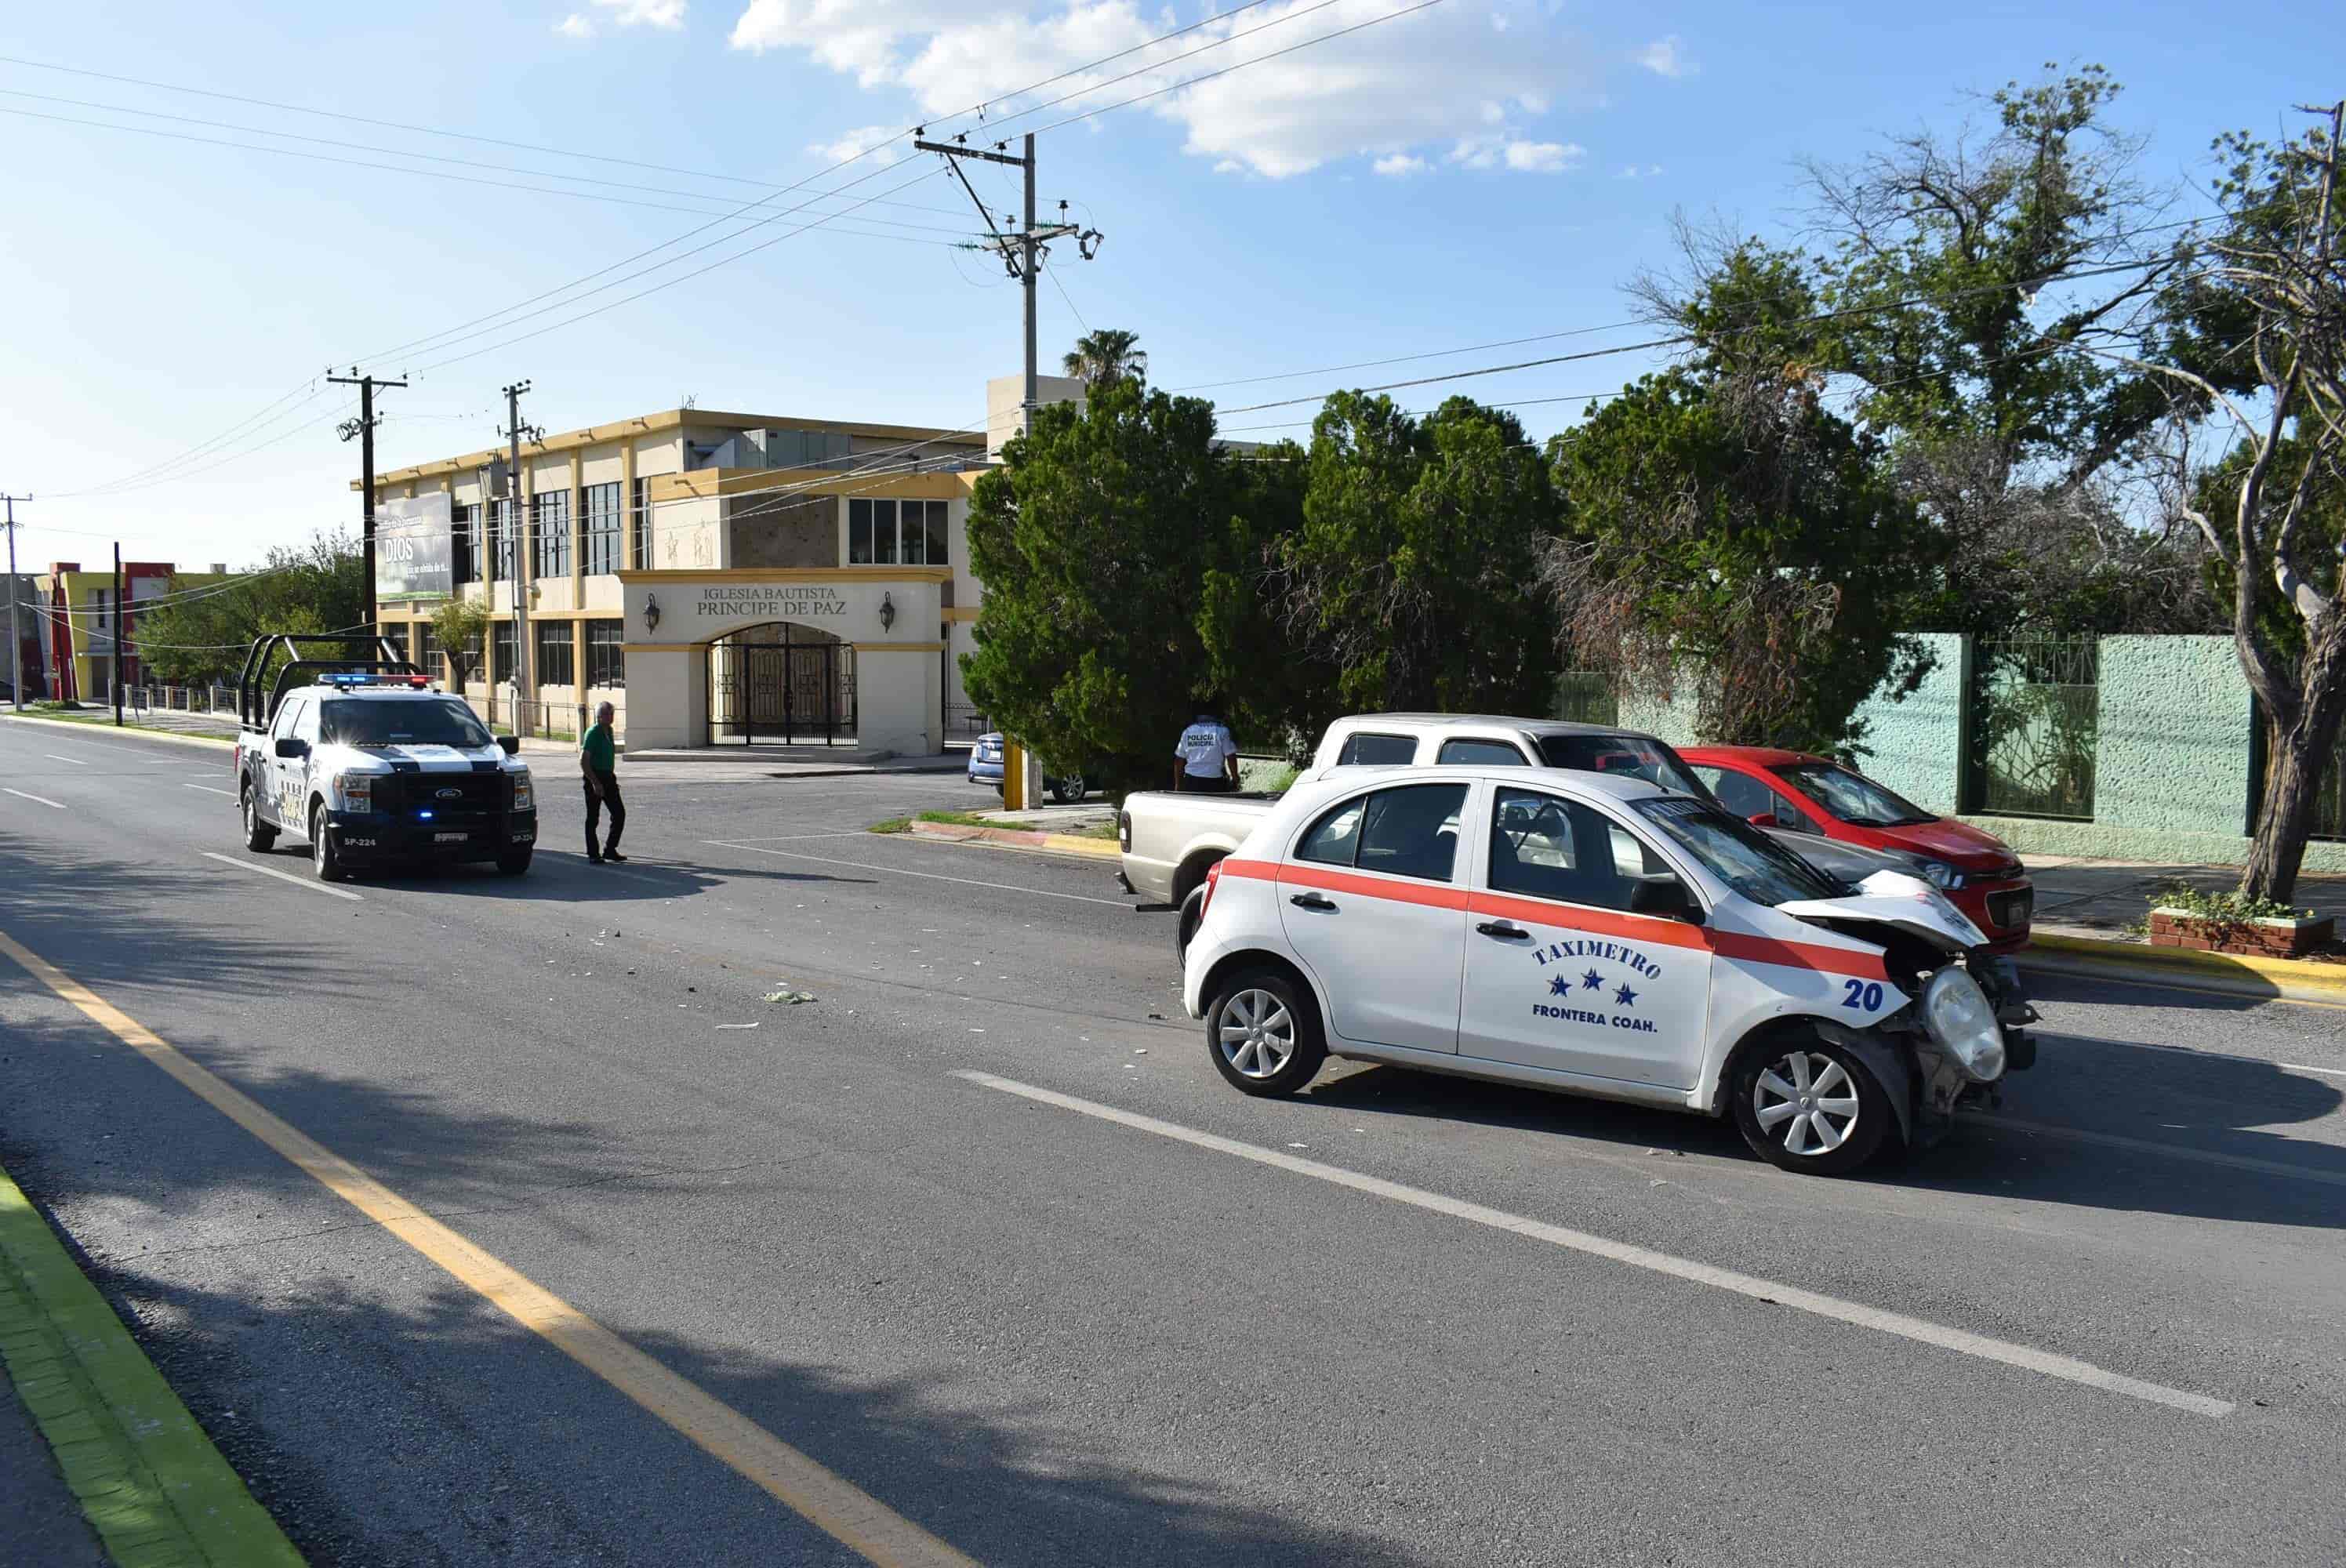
(1600, 935)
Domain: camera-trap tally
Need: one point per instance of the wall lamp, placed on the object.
(651, 614)
(887, 611)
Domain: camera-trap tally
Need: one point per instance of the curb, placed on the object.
(173, 735)
(1019, 838)
(149, 1480)
(2229, 975)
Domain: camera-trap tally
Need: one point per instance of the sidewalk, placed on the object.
(2076, 897)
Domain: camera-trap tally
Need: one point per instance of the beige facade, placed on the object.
(680, 563)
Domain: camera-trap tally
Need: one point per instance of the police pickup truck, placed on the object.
(372, 763)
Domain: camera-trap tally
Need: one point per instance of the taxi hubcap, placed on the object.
(1256, 1033)
(1807, 1102)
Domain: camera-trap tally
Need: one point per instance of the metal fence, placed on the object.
(2329, 799)
(543, 721)
(2033, 721)
(964, 721)
(1586, 696)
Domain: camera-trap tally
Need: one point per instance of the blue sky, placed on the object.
(1473, 172)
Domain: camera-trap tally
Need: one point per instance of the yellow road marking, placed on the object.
(837, 1507)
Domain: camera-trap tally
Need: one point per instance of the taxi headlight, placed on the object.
(354, 792)
(524, 797)
(1960, 1017)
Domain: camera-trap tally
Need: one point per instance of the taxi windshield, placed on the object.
(361, 721)
(1738, 854)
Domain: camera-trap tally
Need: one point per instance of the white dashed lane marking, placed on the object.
(1961, 1342)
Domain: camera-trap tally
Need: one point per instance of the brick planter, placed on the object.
(2256, 938)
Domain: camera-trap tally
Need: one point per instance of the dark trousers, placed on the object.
(1220, 784)
(609, 796)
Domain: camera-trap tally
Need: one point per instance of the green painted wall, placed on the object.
(1914, 745)
(1670, 719)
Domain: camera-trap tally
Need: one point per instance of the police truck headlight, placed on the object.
(524, 794)
(1960, 1017)
(354, 792)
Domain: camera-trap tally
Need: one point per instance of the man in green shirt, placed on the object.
(599, 761)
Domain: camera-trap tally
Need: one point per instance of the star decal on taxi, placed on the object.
(1559, 986)
(1592, 980)
(1625, 997)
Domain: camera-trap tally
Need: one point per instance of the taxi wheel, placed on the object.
(1808, 1105)
(1263, 1034)
(514, 862)
(258, 834)
(323, 859)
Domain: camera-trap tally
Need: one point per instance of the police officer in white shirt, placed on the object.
(1209, 758)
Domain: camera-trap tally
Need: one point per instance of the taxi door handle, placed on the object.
(1311, 901)
(1503, 929)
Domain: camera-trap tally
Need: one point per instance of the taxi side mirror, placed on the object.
(1761, 819)
(509, 744)
(290, 747)
(1663, 896)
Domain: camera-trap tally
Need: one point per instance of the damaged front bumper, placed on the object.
(1927, 1083)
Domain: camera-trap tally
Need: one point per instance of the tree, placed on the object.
(2268, 297)
(1961, 274)
(1729, 528)
(1411, 580)
(458, 626)
(314, 587)
(1096, 539)
(1103, 358)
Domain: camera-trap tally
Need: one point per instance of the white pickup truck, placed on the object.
(1169, 840)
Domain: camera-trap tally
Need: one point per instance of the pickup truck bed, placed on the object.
(1169, 838)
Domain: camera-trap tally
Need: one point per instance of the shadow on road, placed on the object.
(439, 1431)
(572, 879)
(114, 921)
(2198, 1111)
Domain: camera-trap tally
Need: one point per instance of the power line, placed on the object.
(1680, 338)
(456, 333)
(424, 173)
(1239, 65)
(664, 283)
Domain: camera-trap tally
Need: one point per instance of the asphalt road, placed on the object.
(1044, 1335)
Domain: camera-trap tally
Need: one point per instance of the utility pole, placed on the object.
(15, 639)
(363, 428)
(518, 532)
(115, 680)
(1022, 253)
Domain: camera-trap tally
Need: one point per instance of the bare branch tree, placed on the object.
(2278, 276)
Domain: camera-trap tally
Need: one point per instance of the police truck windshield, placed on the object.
(361, 722)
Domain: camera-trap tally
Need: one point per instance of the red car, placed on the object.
(1791, 790)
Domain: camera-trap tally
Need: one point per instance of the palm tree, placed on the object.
(1103, 358)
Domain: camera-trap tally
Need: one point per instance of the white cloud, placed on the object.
(1544, 157)
(851, 144)
(1399, 164)
(665, 14)
(1504, 151)
(1419, 81)
(1636, 171)
(1662, 56)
